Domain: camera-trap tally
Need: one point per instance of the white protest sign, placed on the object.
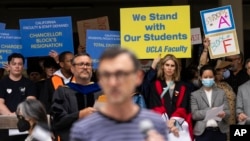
(196, 36)
(218, 25)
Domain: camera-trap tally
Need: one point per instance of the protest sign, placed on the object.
(2, 26)
(10, 41)
(149, 31)
(98, 41)
(100, 23)
(218, 26)
(41, 35)
(196, 36)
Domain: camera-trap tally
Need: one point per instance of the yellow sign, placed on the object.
(149, 31)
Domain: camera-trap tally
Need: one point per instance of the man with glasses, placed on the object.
(238, 73)
(74, 100)
(119, 118)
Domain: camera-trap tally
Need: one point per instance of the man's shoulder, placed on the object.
(4, 79)
(146, 113)
(25, 79)
(245, 85)
(64, 88)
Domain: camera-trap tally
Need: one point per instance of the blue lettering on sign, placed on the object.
(153, 49)
(139, 17)
(129, 38)
(215, 44)
(155, 26)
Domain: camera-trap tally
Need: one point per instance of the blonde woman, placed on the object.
(170, 98)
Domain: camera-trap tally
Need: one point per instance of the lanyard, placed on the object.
(166, 89)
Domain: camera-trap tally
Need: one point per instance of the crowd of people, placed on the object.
(61, 90)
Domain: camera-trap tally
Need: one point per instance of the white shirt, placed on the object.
(211, 122)
(65, 80)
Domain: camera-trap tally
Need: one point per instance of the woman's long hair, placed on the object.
(160, 72)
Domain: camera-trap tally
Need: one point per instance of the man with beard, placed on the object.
(238, 74)
(74, 100)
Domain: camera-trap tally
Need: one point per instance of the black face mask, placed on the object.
(23, 125)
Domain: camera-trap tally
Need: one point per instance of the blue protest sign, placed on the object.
(98, 41)
(10, 42)
(2, 26)
(41, 35)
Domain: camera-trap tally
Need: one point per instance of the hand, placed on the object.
(242, 117)
(6, 67)
(175, 131)
(206, 43)
(86, 111)
(81, 49)
(54, 55)
(156, 61)
(153, 135)
(172, 127)
(221, 114)
(170, 123)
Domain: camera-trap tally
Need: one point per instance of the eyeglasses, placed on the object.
(87, 65)
(119, 75)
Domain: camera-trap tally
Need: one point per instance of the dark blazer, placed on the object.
(200, 105)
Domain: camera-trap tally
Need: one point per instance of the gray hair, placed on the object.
(32, 109)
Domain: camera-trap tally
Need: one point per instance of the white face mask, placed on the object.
(226, 74)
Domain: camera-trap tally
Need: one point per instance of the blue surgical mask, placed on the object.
(226, 74)
(208, 82)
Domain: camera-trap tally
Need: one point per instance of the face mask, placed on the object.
(23, 125)
(196, 83)
(226, 74)
(208, 82)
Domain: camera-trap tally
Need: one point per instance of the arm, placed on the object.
(225, 114)
(65, 110)
(197, 114)
(155, 62)
(4, 110)
(204, 55)
(149, 77)
(239, 102)
(54, 55)
(151, 74)
(64, 115)
(241, 116)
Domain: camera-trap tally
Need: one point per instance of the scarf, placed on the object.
(84, 89)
